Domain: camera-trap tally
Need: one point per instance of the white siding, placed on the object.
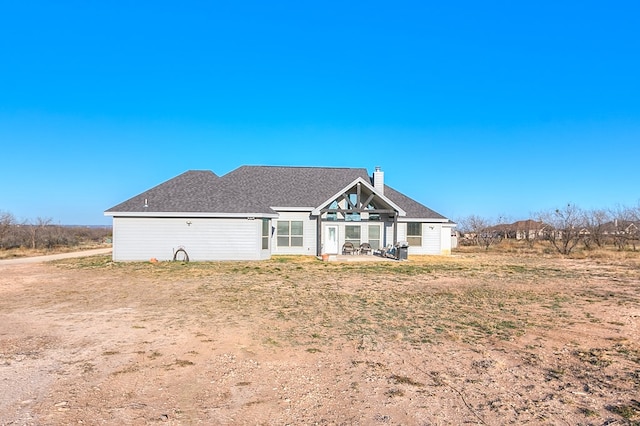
(309, 234)
(388, 231)
(402, 233)
(202, 238)
(446, 239)
(431, 240)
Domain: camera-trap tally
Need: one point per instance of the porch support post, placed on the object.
(395, 228)
(319, 235)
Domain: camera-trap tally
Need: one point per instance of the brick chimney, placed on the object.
(378, 180)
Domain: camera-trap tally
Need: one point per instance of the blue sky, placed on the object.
(493, 108)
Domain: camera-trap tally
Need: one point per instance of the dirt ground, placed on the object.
(468, 339)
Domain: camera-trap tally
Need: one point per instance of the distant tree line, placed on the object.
(42, 233)
(563, 228)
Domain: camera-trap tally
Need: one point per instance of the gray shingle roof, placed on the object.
(188, 192)
(413, 208)
(255, 189)
(293, 186)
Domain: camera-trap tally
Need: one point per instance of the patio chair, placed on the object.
(348, 248)
(365, 248)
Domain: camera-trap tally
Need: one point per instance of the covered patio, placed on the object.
(356, 258)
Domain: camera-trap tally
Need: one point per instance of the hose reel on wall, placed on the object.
(181, 255)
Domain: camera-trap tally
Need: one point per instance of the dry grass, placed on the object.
(425, 300)
(495, 337)
(545, 249)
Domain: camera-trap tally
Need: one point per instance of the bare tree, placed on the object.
(36, 229)
(41, 233)
(616, 231)
(7, 222)
(625, 226)
(482, 231)
(567, 227)
(57, 236)
(595, 222)
(632, 228)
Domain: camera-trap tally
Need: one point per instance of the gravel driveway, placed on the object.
(46, 258)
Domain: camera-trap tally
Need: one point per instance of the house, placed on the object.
(621, 227)
(526, 230)
(254, 212)
(529, 230)
(622, 232)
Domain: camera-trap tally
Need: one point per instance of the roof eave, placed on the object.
(191, 214)
(292, 209)
(426, 219)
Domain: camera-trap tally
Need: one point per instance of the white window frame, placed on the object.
(287, 238)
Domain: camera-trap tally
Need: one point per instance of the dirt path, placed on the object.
(49, 257)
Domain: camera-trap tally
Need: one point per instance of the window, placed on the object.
(414, 234)
(352, 217)
(265, 234)
(333, 215)
(352, 235)
(373, 216)
(374, 236)
(289, 233)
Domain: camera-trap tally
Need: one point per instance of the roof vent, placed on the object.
(146, 204)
